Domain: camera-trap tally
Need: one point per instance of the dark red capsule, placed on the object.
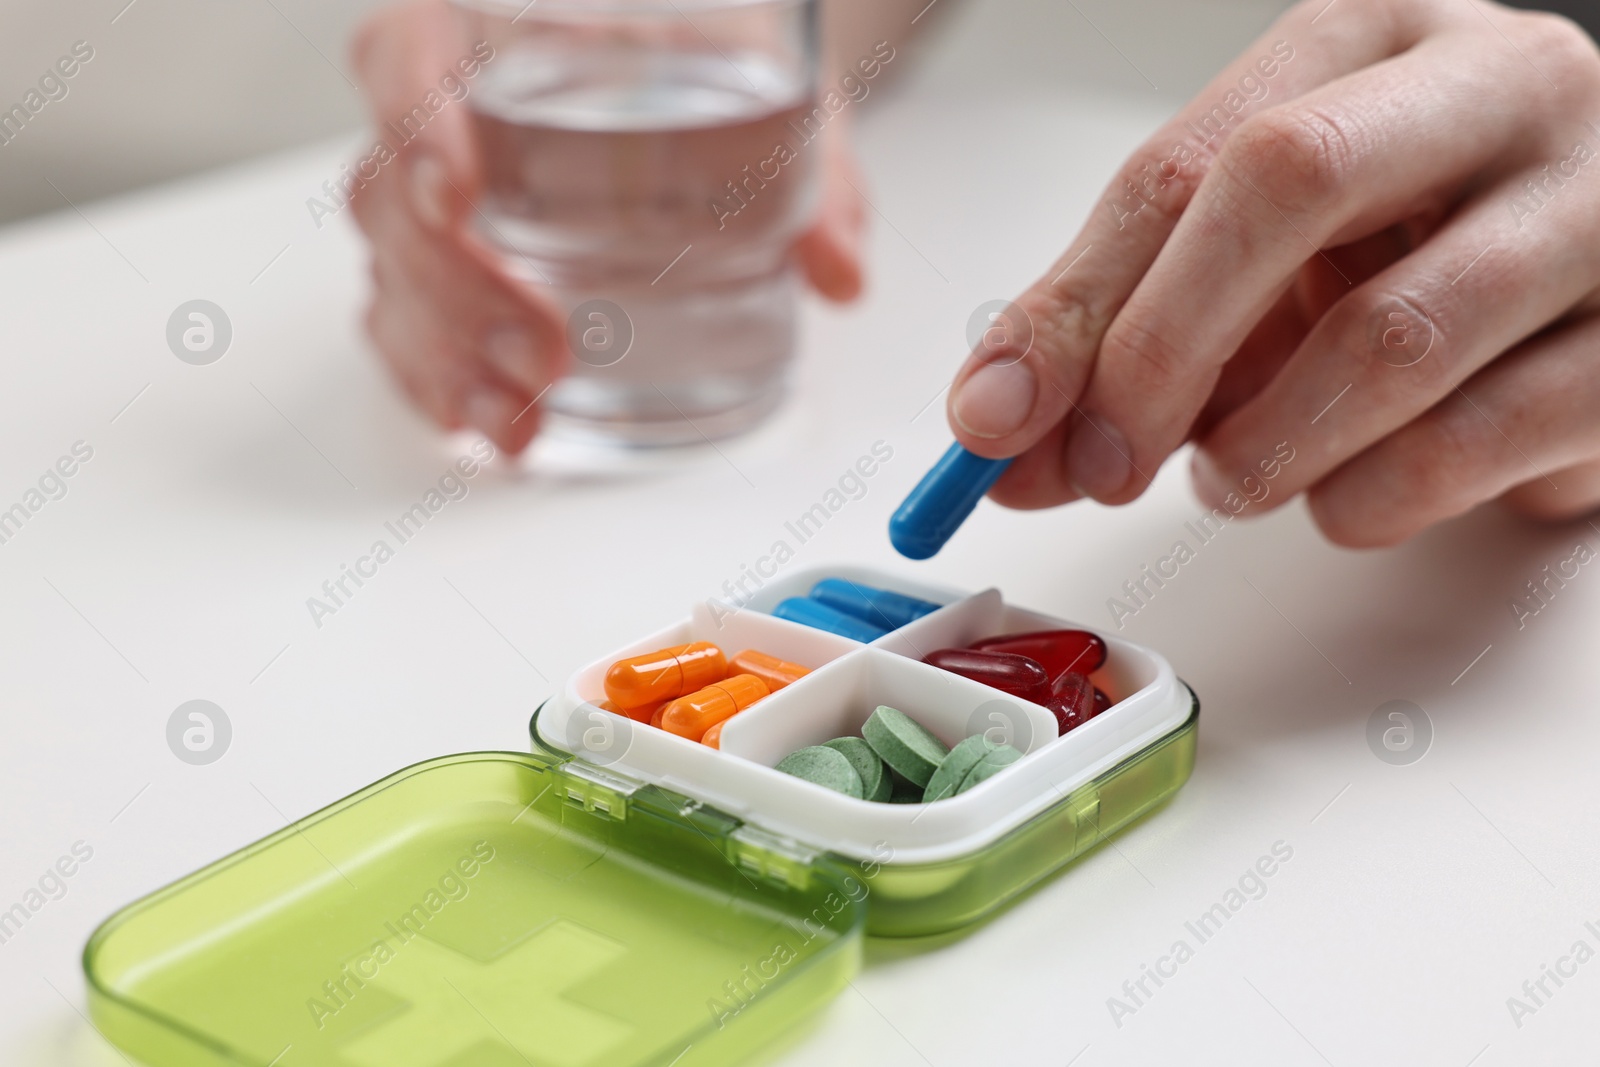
(1054, 650)
(1072, 700)
(1101, 701)
(1017, 675)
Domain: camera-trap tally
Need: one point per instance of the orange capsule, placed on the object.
(713, 736)
(776, 673)
(665, 674)
(643, 713)
(655, 716)
(693, 715)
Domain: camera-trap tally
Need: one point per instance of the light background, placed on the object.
(1419, 899)
(182, 85)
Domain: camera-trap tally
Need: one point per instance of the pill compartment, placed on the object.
(934, 866)
(655, 755)
(986, 614)
(799, 584)
(732, 631)
(835, 701)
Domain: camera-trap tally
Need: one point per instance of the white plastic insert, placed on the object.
(847, 682)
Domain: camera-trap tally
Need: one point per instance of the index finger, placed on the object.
(1008, 404)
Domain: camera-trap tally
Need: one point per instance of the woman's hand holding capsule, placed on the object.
(1373, 239)
(470, 343)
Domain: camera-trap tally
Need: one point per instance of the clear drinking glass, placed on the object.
(651, 162)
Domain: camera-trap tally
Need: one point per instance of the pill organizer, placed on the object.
(935, 866)
(621, 896)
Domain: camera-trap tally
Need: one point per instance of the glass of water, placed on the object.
(650, 163)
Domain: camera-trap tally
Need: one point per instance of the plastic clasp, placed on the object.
(596, 791)
(771, 856)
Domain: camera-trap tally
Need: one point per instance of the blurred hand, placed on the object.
(470, 344)
(1371, 244)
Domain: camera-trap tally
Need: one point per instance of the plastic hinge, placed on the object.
(771, 856)
(597, 791)
(703, 817)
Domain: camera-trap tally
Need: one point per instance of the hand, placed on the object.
(1372, 244)
(469, 343)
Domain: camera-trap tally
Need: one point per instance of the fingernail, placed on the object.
(490, 411)
(1209, 484)
(996, 400)
(510, 351)
(1097, 459)
(429, 186)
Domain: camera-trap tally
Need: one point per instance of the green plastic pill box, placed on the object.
(620, 897)
(934, 867)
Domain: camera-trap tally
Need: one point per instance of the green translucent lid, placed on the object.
(483, 910)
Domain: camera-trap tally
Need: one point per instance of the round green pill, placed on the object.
(903, 791)
(827, 767)
(904, 744)
(991, 764)
(875, 784)
(967, 754)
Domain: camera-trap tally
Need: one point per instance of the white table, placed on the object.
(1417, 900)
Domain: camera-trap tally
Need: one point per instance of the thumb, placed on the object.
(417, 71)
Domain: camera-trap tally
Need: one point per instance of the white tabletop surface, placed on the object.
(1417, 900)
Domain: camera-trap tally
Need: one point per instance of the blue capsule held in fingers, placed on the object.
(815, 613)
(942, 501)
(881, 607)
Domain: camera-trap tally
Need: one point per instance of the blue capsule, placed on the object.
(815, 613)
(942, 501)
(881, 607)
